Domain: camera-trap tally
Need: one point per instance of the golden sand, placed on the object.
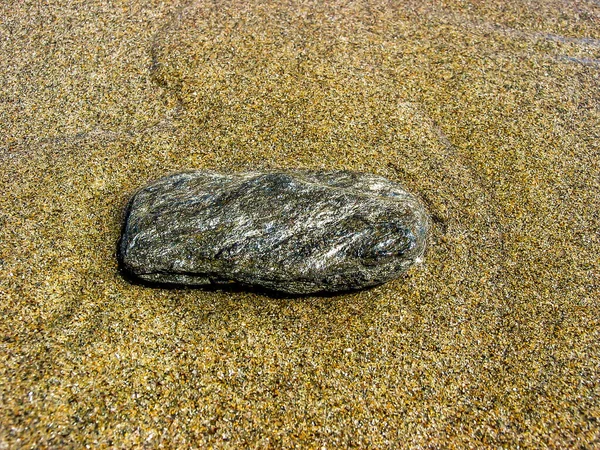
(489, 111)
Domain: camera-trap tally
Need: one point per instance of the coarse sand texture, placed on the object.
(489, 112)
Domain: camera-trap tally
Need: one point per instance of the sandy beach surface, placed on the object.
(488, 111)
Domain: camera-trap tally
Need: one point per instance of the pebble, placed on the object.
(297, 232)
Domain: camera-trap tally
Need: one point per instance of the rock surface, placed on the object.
(297, 232)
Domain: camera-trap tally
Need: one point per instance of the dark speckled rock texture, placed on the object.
(297, 232)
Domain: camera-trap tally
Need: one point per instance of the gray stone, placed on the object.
(297, 232)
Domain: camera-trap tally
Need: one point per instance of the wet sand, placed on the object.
(490, 113)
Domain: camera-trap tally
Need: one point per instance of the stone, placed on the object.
(297, 232)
